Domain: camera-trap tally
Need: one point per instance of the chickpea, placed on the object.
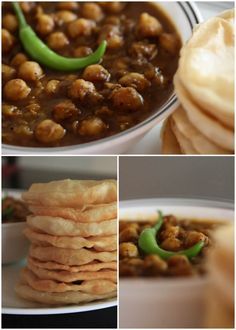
(148, 26)
(65, 16)
(153, 264)
(82, 51)
(96, 73)
(8, 72)
(16, 89)
(47, 131)
(92, 11)
(64, 110)
(128, 250)
(113, 7)
(32, 109)
(91, 127)
(179, 266)
(112, 35)
(169, 42)
(18, 59)
(7, 41)
(57, 40)
(135, 80)
(10, 22)
(193, 237)
(80, 88)
(81, 27)
(130, 233)
(23, 130)
(52, 87)
(143, 50)
(30, 70)
(27, 6)
(70, 5)
(171, 244)
(10, 111)
(126, 98)
(170, 231)
(45, 24)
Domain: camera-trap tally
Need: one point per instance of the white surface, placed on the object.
(12, 304)
(166, 303)
(151, 143)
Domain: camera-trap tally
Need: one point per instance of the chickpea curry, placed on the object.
(14, 210)
(178, 247)
(44, 107)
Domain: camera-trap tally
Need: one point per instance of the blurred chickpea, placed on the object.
(193, 237)
(92, 11)
(47, 131)
(154, 264)
(65, 16)
(64, 110)
(52, 87)
(23, 130)
(7, 41)
(70, 5)
(128, 250)
(126, 98)
(112, 7)
(10, 22)
(91, 127)
(8, 72)
(82, 51)
(148, 26)
(171, 244)
(30, 70)
(81, 27)
(18, 59)
(10, 111)
(57, 40)
(80, 88)
(169, 42)
(135, 80)
(27, 6)
(96, 73)
(45, 24)
(129, 233)
(16, 89)
(112, 34)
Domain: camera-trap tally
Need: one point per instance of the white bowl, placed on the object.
(185, 16)
(14, 244)
(166, 303)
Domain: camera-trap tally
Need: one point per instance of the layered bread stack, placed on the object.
(204, 84)
(219, 305)
(73, 234)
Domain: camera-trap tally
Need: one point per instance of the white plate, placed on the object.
(12, 304)
(166, 302)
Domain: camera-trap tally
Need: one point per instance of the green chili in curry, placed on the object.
(40, 52)
(148, 244)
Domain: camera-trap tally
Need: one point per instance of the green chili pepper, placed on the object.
(40, 52)
(148, 244)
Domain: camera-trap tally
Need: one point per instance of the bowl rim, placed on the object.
(172, 101)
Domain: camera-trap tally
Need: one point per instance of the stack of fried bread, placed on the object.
(73, 234)
(204, 84)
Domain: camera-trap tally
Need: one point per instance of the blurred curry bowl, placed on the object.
(167, 292)
(14, 212)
